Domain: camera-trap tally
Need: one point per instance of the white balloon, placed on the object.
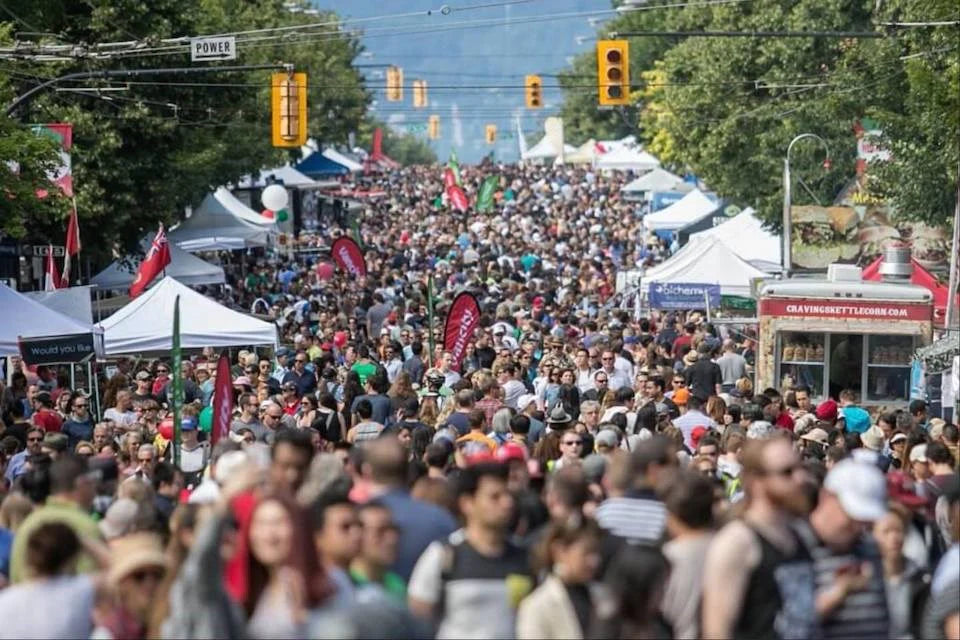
(274, 197)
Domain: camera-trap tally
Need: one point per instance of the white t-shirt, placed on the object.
(67, 608)
(121, 419)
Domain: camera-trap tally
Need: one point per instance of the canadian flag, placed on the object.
(51, 278)
(72, 245)
(157, 259)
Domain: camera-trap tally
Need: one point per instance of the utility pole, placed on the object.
(25, 98)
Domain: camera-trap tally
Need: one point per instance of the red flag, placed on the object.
(457, 197)
(72, 244)
(222, 401)
(346, 253)
(51, 278)
(449, 179)
(158, 257)
(462, 319)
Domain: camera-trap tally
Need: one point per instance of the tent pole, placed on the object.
(94, 385)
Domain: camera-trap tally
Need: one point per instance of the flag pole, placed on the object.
(177, 383)
(432, 341)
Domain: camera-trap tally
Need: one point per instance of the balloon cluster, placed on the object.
(274, 199)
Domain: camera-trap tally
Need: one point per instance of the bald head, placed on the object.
(387, 460)
(729, 345)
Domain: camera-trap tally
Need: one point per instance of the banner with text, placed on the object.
(462, 318)
(681, 295)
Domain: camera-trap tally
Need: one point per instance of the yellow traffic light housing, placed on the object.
(534, 91)
(394, 84)
(613, 72)
(288, 109)
(491, 133)
(433, 127)
(419, 94)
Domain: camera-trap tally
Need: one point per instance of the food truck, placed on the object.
(842, 333)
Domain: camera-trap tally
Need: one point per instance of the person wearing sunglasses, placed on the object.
(571, 448)
(740, 556)
(17, 465)
(79, 423)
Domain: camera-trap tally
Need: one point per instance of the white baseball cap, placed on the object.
(860, 487)
(524, 401)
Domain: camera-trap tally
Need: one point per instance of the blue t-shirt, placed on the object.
(6, 546)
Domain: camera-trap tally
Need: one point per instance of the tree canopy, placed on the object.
(726, 108)
(141, 155)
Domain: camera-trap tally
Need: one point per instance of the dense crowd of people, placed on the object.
(583, 472)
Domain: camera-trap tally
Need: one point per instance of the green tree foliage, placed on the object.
(728, 107)
(144, 154)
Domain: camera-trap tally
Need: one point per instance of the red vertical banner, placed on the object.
(462, 319)
(346, 253)
(222, 401)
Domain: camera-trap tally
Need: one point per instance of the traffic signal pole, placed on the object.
(25, 98)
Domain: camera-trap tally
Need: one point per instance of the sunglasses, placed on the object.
(786, 472)
(679, 383)
(34, 439)
(163, 370)
(575, 443)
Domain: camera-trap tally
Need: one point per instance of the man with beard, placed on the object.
(758, 577)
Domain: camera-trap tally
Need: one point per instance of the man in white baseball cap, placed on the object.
(850, 597)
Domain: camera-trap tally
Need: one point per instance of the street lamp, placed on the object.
(786, 193)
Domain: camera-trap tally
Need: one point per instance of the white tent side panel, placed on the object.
(146, 323)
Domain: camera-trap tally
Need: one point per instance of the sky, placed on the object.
(474, 71)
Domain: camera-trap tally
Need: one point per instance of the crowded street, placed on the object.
(561, 383)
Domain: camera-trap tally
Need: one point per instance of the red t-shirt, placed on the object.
(48, 420)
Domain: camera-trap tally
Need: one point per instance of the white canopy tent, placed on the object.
(706, 261)
(687, 210)
(546, 149)
(27, 318)
(145, 325)
(657, 180)
(584, 154)
(745, 235)
(627, 158)
(339, 158)
(287, 174)
(222, 222)
(183, 267)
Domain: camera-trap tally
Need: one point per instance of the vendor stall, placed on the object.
(842, 333)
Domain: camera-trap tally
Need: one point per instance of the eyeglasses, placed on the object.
(163, 370)
(272, 416)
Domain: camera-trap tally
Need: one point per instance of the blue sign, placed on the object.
(663, 199)
(682, 295)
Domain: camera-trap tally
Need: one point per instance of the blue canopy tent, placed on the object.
(317, 165)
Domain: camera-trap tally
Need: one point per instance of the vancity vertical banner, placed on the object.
(462, 319)
(346, 253)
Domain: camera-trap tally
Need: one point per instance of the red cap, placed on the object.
(827, 410)
(900, 488)
(538, 302)
(510, 451)
(696, 434)
(340, 339)
(327, 346)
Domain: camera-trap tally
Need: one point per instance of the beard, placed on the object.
(795, 502)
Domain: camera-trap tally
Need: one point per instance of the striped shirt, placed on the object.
(637, 518)
(863, 614)
(366, 431)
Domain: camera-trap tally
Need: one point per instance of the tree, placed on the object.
(141, 156)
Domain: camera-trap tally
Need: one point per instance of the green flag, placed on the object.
(176, 358)
(355, 229)
(485, 196)
(433, 346)
(455, 167)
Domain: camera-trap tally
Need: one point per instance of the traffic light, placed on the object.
(394, 84)
(491, 133)
(288, 109)
(433, 127)
(534, 92)
(419, 94)
(613, 72)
